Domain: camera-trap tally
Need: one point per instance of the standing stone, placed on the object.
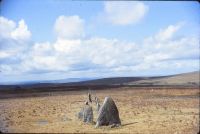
(98, 106)
(89, 98)
(108, 114)
(88, 114)
(96, 99)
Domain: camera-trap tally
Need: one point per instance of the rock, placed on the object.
(108, 114)
(96, 99)
(97, 104)
(89, 98)
(88, 114)
(86, 103)
(114, 125)
(98, 107)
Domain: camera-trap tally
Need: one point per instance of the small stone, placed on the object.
(88, 114)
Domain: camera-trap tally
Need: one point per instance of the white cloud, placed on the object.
(66, 46)
(42, 48)
(14, 41)
(69, 27)
(21, 32)
(166, 34)
(4, 54)
(115, 55)
(8, 29)
(100, 56)
(124, 12)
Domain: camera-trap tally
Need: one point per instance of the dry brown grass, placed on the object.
(141, 111)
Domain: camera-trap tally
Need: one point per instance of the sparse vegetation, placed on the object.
(141, 110)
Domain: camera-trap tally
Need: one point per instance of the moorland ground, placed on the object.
(144, 111)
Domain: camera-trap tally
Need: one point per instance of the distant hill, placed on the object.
(114, 80)
(185, 79)
(68, 80)
(46, 88)
(179, 79)
(191, 78)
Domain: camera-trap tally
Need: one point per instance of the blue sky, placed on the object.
(56, 39)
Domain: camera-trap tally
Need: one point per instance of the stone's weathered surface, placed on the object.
(89, 98)
(98, 107)
(108, 113)
(97, 104)
(88, 114)
(86, 103)
(96, 99)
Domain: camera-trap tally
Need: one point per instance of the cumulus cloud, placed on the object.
(69, 27)
(111, 55)
(124, 13)
(166, 34)
(66, 45)
(8, 29)
(21, 32)
(97, 55)
(14, 41)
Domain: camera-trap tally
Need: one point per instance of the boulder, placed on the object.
(108, 114)
(88, 114)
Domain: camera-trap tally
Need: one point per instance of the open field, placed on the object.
(145, 111)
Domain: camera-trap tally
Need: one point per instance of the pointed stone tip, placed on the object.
(108, 98)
